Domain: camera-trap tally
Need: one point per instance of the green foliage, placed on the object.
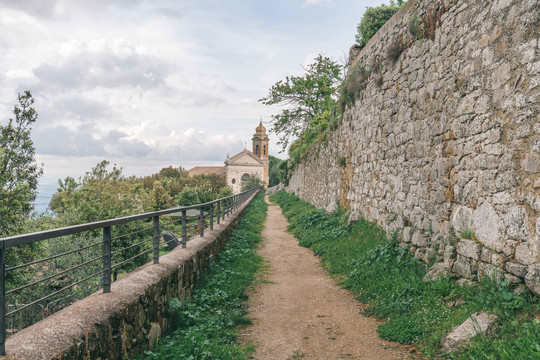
(309, 99)
(274, 173)
(203, 325)
(341, 161)
(251, 182)
(19, 172)
(390, 281)
(374, 18)
(467, 234)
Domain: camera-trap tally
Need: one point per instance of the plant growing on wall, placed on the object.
(374, 18)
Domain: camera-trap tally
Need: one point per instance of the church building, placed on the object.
(247, 163)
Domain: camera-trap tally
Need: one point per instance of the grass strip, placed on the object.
(203, 325)
(390, 281)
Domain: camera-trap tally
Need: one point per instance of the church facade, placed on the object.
(249, 163)
(241, 166)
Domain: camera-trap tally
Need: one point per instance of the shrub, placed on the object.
(374, 18)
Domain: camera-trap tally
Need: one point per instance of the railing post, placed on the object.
(218, 211)
(155, 221)
(224, 209)
(107, 259)
(201, 221)
(3, 299)
(184, 229)
(212, 216)
(228, 206)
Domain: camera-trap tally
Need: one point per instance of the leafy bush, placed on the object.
(374, 18)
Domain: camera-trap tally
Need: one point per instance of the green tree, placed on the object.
(273, 171)
(251, 182)
(374, 18)
(308, 99)
(188, 197)
(19, 171)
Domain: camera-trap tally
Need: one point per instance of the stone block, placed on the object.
(419, 240)
(436, 272)
(449, 255)
(464, 266)
(407, 234)
(517, 269)
(513, 279)
(532, 279)
(488, 226)
(462, 218)
(524, 254)
(478, 323)
(469, 248)
(516, 223)
(485, 255)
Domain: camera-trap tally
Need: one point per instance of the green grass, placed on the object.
(390, 281)
(204, 325)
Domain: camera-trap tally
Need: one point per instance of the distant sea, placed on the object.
(45, 192)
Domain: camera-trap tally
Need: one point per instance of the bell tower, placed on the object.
(260, 148)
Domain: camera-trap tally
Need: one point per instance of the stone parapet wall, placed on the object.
(130, 318)
(444, 142)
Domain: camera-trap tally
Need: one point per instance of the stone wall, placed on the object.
(130, 318)
(443, 143)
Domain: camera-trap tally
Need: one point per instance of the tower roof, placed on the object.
(260, 128)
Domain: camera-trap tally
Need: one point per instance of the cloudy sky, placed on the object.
(148, 84)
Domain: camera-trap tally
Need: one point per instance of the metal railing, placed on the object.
(78, 258)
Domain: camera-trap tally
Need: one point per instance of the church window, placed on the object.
(264, 149)
(245, 177)
(257, 150)
(233, 181)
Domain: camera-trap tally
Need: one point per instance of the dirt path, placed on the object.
(300, 313)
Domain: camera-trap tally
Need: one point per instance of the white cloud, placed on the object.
(316, 2)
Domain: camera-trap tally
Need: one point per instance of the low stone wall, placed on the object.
(130, 318)
(443, 142)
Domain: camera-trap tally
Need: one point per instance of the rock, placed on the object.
(477, 323)
(462, 218)
(469, 248)
(538, 226)
(513, 279)
(464, 266)
(436, 272)
(516, 223)
(524, 254)
(419, 239)
(516, 269)
(532, 279)
(330, 208)
(464, 282)
(449, 255)
(488, 227)
(407, 234)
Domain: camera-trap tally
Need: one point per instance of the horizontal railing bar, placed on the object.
(54, 293)
(131, 246)
(53, 257)
(69, 230)
(133, 233)
(131, 258)
(54, 275)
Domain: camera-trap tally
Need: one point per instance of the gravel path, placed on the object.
(300, 313)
